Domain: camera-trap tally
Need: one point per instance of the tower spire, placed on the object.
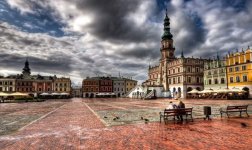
(167, 34)
(26, 70)
(182, 54)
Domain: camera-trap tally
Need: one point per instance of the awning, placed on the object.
(4, 94)
(19, 94)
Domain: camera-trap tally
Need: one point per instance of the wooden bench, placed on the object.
(175, 112)
(230, 109)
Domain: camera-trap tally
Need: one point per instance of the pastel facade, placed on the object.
(215, 74)
(107, 86)
(90, 87)
(7, 85)
(119, 86)
(239, 70)
(24, 86)
(62, 85)
(129, 84)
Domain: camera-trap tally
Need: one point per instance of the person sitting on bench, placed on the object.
(181, 105)
(171, 106)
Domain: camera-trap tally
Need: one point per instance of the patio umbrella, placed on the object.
(4, 94)
(194, 91)
(55, 94)
(45, 94)
(207, 91)
(236, 90)
(64, 93)
(225, 90)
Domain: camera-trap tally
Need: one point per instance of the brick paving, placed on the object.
(89, 124)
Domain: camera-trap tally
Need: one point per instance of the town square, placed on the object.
(125, 74)
(88, 124)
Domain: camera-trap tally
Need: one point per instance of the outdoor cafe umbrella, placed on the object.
(64, 93)
(44, 94)
(194, 91)
(55, 94)
(225, 90)
(4, 94)
(236, 90)
(207, 91)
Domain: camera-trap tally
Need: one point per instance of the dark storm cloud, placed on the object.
(54, 64)
(153, 53)
(111, 22)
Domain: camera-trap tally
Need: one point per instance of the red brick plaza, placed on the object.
(91, 124)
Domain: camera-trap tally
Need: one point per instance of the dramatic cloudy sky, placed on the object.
(80, 38)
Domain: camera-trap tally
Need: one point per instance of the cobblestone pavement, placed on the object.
(91, 124)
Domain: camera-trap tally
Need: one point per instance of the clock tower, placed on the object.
(167, 49)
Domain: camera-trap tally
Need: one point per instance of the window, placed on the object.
(178, 79)
(188, 69)
(237, 79)
(231, 79)
(230, 69)
(1, 83)
(1, 89)
(209, 81)
(198, 80)
(236, 68)
(222, 80)
(178, 69)
(215, 81)
(173, 70)
(244, 67)
(209, 73)
(189, 79)
(245, 78)
(11, 89)
(197, 69)
(174, 81)
(169, 81)
(215, 71)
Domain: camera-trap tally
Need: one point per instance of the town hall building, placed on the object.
(176, 75)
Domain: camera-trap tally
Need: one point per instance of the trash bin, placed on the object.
(207, 112)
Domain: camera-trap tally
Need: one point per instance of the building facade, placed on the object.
(118, 86)
(239, 70)
(176, 75)
(90, 87)
(107, 86)
(42, 84)
(62, 85)
(215, 74)
(76, 91)
(24, 86)
(129, 84)
(7, 85)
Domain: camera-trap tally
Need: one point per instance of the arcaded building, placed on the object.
(176, 75)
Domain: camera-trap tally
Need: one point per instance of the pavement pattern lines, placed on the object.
(75, 125)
